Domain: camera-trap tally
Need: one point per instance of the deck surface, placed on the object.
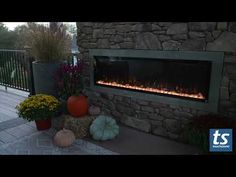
(8, 102)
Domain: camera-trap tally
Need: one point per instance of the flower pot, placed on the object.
(77, 105)
(43, 124)
(44, 80)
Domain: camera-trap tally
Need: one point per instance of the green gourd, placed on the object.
(104, 128)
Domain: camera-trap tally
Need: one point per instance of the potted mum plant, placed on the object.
(39, 108)
(49, 47)
(70, 89)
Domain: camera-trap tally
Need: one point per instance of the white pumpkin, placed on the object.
(64, 138)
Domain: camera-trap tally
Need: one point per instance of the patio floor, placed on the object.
(8, 101)
(20, 137)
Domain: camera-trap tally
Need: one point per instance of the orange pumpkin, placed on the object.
(77, 105)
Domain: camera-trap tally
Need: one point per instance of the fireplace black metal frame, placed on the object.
(216, 58)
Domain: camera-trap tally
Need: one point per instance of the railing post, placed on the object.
(30, 59)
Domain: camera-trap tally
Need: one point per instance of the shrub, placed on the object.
(69, 80)
(38, 107)
(197, 132)
(48, 45)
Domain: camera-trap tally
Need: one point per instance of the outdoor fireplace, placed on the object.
(178, 78)
(185, 78)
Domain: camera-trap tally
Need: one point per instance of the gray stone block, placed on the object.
(111, 106)
(225, 81)
(147, 109)
(116, 114)
(209, 37)
(147, 41)
(202, 26)
(107, 96)
(172, 125)
(156, 117)
(142, 102)
(103, 43)
(231, 69)
(137, 27)
(125, 110)
(128, 39)
(177, 28)
(123, 28)
(127, 45)
(116, 46)
(118, 98)
(142, 115)
(86, 30)
(232, 76)
(135, 106)
(157, 110)
(181, 114)
(109, 31)
(225, 104)
(173, 135)
(232, 115)
(118, 38)
(193, 44)
(159, 32)
(230, 59)
(232, 86)
(136, 123)
(159, 131)
(180, 37)
(164, 37)
(185, 109)
(165, 23)
(156, 27)
(222, 26)
(155, 123)
(224, 93)
(233, 97)
(225, 42)
(166, 113)
(216, 34)
(171, 45)
(194, 34)
(232, 26)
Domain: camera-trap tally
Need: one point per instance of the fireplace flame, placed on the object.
(154, 90)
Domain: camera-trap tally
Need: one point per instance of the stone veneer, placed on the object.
(156, 118)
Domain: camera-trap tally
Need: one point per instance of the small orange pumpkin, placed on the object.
(77, 105)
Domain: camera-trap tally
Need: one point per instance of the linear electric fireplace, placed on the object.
(175, 77)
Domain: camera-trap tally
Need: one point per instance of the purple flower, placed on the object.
(68, 79)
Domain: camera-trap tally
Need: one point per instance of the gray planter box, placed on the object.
(44, 77)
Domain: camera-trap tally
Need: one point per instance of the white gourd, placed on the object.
(64, 138)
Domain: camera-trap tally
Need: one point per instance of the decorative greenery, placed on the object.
(48, 44)
(197, 132)
(69, 80)
(38, 107)
(7, 37)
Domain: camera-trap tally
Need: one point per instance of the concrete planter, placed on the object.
(44, 81)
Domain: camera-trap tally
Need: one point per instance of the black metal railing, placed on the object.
(15, 69)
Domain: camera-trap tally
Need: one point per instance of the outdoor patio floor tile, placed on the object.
(41, 143)
(6, 137)
(20, 131)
